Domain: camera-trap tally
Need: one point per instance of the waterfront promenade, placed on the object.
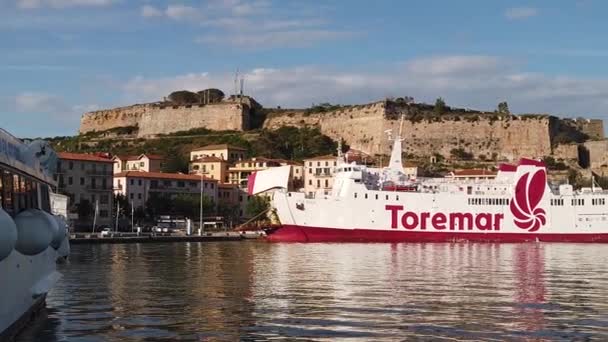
(91, 238)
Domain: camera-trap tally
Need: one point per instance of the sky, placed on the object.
(61, 58)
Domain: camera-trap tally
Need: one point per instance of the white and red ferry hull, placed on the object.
(295, 233)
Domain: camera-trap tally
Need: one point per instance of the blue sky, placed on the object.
(60, 58)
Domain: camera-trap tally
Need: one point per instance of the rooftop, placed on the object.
(160, 175)
(138, 157)
(326, 157)
(83, 157)
(220, 147)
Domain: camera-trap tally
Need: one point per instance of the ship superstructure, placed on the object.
(32, 239)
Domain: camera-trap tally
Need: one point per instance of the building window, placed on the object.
(167, 183)
(154, 184)
(131, 181)
(104, 199)
(70, 181)
(310, 181)
(142, 164)
(195, 167)
(318, 183)
(131, 195)
(327, 183)
(103, 213)
(139, 182)
(181, 184)
(71, 165)
(139, 196)
(81, 180)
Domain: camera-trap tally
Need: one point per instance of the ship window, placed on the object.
(376, 196)
(355, 195)
(397, 197)
(365, 196)
(387, 197)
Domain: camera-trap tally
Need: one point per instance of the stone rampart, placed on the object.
(363, 128)
(154, 118)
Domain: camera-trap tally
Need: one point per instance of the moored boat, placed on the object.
(372, 205)
(32, 239)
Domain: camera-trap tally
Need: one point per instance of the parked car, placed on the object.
(106, 232)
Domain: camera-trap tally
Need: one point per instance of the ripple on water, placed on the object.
(259, 291)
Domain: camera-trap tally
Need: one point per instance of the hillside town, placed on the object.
(95, 182)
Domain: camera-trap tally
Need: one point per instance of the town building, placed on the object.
(358, 157)
(241, 170)
(143, 162)
(472, 174)
(87, 181)
(318, 174)
(211, 167)
(139, 186)
(223, 151)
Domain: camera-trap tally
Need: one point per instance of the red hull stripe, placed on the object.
(292, 233)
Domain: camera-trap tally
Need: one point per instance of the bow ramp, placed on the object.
(273, 178)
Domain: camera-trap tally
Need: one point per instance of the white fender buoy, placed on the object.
(35, 231)
(61, 233)
(8, 234)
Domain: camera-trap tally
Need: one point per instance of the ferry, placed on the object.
(32, 239)
(382, 205)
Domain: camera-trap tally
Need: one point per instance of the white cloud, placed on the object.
(517, 13)
(33, 102)
(150, 11)
(469, 81)
(182, 12)
(251, 24)
(271, 39)
(33, 4)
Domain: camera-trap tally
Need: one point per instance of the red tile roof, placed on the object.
(160, 175)
(209, 159)
(326, 157)
(153, 156)
(83, 157)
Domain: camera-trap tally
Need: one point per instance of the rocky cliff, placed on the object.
(426, 132)
(160, 118)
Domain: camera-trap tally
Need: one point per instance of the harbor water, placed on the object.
(252, 290)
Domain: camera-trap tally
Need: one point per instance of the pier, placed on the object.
(88, 238)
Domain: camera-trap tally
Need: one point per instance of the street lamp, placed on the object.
(200, 229)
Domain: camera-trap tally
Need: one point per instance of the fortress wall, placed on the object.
(221, 116)
(363, 127)
(152, 119)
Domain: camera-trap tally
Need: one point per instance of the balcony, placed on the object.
(322, 174)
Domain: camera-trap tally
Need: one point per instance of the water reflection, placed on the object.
(255, 290)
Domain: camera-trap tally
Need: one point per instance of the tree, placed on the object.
(440, 107)
(503, 108)
(183, 97)
(84, 209)
(176, 162)
(257, 205)
(460, 153)
(210, 95)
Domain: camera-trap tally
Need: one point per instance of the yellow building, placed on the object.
(318, 174)
(223, 151)
(238, 173)
(211, 167)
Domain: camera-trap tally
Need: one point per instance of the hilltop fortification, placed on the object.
(478, 134)
(162, 118)
(484, 134)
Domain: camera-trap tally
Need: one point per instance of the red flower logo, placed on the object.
(528, 193)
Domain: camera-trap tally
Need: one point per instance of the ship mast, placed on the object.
(396, 164)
